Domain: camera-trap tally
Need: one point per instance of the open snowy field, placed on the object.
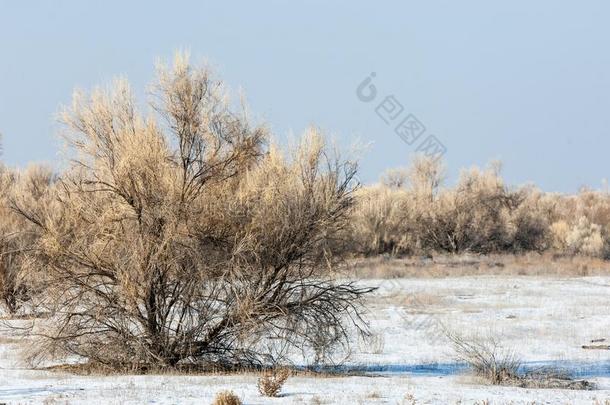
(545, 320)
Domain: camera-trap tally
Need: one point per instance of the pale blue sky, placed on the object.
(527, 82)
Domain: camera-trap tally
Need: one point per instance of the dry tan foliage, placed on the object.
(226, 398)
(410, 212)
(395, 178)
(17, 236)
(271, 382)
(189, 242)
(581, 223)
(379, 221)
(182, 238)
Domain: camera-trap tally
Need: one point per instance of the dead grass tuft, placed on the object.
(226, 398)
(271, 382)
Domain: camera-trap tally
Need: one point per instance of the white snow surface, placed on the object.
(539, 318)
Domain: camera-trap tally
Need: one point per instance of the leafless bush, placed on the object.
(410, 212)
(271, 382)
(10, 285)
(476, 216)
(426, 176)
(480, 214)
(379, 223)
(487, 358)
(16, 234)
(189, 242)
(581, 224)
(528, 222)
(226, 398)
(395, 178)
(585, 238)
(500, 366)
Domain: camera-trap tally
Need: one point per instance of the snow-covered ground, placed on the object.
(540, 318)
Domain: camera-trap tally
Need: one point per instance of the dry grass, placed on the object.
(409, 399)
(226, 398)
(373, 395)
(271, 382)
(316, 400)
(441, 266)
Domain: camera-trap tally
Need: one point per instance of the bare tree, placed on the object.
(426, 175)
(189, 242)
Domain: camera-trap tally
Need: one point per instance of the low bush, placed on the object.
(226, 398)
(17, 235)
(498, 365)
(271, 382)
(487, 358)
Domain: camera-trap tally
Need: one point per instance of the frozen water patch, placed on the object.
(573, 369)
